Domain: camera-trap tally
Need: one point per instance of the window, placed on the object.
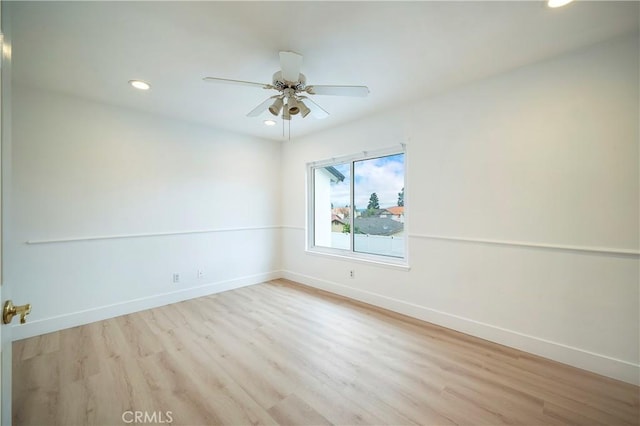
(356, 206)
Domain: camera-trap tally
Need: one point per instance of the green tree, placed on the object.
(373, 202)
(401, 198)
(346, 228)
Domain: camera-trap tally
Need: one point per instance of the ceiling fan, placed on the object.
(292, 85)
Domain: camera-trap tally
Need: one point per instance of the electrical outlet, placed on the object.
(176, 277)
(200, 273)
(352, 274)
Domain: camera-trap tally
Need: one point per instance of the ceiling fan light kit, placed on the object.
(292, 104)
(292, 85)
(304, 110)
(276, 106)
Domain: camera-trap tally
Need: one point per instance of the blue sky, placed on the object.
(384, 176)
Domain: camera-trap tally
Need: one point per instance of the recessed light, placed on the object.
(558, 3)
(139, 84)
(269, 122)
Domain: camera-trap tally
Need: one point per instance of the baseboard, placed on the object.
(48, 325)
(596, 363)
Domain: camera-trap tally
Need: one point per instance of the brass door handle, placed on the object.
(10, 310)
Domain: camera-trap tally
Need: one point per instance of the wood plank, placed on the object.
(283, 353)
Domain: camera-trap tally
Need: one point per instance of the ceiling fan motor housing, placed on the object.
(281, 84)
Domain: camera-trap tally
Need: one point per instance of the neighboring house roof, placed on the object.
(345, 211)
(336, 218)
(373, 212)
(396, 210)
(375, 225)
(339, 176)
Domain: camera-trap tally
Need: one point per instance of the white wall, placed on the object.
(534, 171)
(83, 170)
(541, 166)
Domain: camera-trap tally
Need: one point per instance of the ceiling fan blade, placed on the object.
(237, 82)
(261, 108)
(290, 63)
(358, 91)
(316, 110)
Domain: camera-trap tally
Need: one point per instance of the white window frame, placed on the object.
(342, 254)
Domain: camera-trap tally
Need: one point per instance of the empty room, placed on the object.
(316, 213)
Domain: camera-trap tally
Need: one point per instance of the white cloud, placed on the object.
(384, 176)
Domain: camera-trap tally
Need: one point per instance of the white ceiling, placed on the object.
(401, 50)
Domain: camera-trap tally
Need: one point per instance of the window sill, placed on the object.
(399, 264)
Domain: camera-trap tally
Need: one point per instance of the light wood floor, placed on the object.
(281, 353)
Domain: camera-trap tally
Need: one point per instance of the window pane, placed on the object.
(379, 200)
(332, 186)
